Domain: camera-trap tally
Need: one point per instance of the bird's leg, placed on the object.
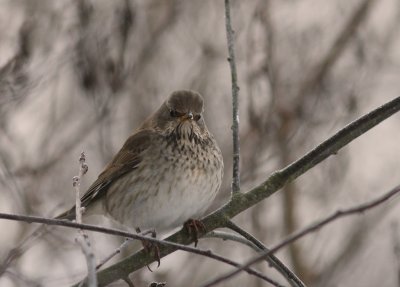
(150, 246)
(193, 228)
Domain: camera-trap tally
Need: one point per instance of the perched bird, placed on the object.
(166, 173)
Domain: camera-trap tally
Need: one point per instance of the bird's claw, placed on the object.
(193, 228)
(151, 246)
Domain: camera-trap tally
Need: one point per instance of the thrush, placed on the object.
(167, 172)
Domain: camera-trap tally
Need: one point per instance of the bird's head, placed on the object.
(181, 115)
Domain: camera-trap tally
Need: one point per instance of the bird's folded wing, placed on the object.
(126, 160)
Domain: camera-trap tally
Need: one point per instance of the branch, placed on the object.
(83, 238)
(21, 248)
(313, 227)
(255, 245)
(327, 148)
(169, 247)
(116, 252)
(76, 183)
(235, 102)
(271, 259)
(396, 248)
(232, 237)
(338, 214)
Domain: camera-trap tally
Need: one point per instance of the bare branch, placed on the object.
(235, 100)
(313, 227)
(272, 259)
(170, 246)
(83, 238)
(327, 148)
(21, 248)
(86, 247)
(76, 183)
(396, 248)
(116, 252)
(232, 237)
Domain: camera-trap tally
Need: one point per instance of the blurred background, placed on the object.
(81, 75)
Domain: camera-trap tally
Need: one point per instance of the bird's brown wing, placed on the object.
(126, 160)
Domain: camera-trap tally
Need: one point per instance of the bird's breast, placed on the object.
(173, 183)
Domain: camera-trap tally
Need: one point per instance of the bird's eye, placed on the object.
(174, 114)
(197, 117)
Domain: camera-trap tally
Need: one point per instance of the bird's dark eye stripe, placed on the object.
(175, 114)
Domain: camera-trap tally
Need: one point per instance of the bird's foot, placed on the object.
(193, 228)
(150, 246)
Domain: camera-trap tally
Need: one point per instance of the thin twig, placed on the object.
(116, 252)
(313, 227)
(338, 214)
(83, 238)
(396, 248)
(290, 276)
(84, 242)
(76, 183)
(235, 100)
(232, 237)
(21, 248)
(271, 259)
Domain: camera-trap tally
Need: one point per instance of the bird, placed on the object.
(166, 173)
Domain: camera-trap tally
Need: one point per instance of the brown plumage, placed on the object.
(167, 172)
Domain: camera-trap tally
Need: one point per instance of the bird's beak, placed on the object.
(188, 116)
